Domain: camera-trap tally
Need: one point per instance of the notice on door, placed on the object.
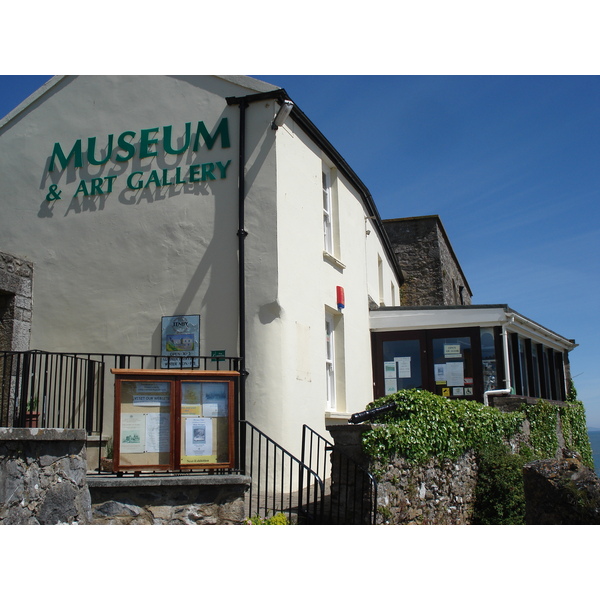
(403, 364)
(455, 374)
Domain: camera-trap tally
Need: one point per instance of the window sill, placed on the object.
(333, 260)
(337, 415)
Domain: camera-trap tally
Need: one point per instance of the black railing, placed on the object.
(154, 361)
(66, 390)
(46, 389)
(280, 482)
(351, 490)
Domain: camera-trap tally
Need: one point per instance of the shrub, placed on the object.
(574, 426)
(277, 519)
(500, 495)
(424, 425)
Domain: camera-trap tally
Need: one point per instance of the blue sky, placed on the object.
(511, 164)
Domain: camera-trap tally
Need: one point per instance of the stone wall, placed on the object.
(44, 481)
(16, 299)
(439, 492)
(433, 276)
(561, 492)
(168, 500)
(16, 294)
(43, 477)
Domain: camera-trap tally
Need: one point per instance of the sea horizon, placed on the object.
(594, 435)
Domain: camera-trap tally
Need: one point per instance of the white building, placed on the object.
(139, 197)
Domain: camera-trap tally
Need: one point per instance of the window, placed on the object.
(488, 359)
(327, 211)
(535, 371)
(335, 356)
(453, 368)
(523, 368)
(330, 361)
(402, 365)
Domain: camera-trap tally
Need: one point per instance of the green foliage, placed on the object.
(109, 448)
(32, 403)
(542, 418)
(500, 497)
(574, 427)
(425, 425)
(277, 519)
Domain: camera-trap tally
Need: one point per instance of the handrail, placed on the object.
(280, 481)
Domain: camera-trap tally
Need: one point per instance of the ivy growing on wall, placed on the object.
(424, 425)
(542, 419)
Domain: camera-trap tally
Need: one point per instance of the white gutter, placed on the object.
(508, 388)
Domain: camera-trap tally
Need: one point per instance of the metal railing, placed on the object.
(280, 482)
(352, 490)
(48, 389)
(154, 361)
(66, 390)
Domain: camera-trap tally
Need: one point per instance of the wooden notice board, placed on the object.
(173, 419)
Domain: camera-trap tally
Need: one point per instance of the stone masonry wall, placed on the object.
(416, 247)
(439, 492)
(43, 477)
(44, 481)
(561, 491)
(452, 278)
(442, 492)
(433, 276)
(168, 500)
(16, 293)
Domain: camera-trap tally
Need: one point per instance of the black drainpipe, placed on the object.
(242, 233)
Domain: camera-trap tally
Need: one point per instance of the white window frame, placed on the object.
(327, 211)
(330, 361)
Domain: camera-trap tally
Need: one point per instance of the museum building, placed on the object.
(184, 217)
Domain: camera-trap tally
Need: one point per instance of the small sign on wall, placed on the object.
(180, 341)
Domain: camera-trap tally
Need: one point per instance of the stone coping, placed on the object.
(25, 434)
(113, 481)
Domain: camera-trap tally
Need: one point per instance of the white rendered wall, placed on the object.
(307, 288)
(108, 267)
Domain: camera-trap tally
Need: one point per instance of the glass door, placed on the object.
(452, 363)
(399, 362)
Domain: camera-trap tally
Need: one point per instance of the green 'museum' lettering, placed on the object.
(147, 144)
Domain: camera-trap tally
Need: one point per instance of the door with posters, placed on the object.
(455, 363)
(446, 362)
(399, 362)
